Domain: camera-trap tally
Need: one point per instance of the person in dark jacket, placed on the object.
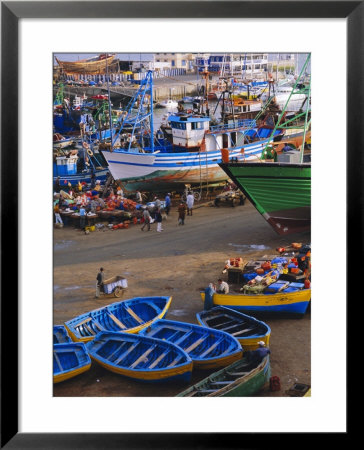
(100, 282)
(158, 219)
(181, 213)
(260, 353)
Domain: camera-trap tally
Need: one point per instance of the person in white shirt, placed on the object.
(222, 287)
(190, 201)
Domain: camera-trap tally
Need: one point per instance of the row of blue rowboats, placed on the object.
(131, 338)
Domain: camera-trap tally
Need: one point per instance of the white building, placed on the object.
(233, 64)
(175, 60)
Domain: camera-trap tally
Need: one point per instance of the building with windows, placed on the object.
(175, 60)
(232, 64)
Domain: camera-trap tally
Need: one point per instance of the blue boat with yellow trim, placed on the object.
(207, 347)
(69, 360)
(129, 316)
(140, 357)
(294, 302)
(247, 329)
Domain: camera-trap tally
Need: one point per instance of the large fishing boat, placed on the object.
(96, 64)
(145, 161)
(281, 192)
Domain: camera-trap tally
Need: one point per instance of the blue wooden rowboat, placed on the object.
(140, 357)
(60, 335)
(247, 329)
(293, 303)
(207, 347)
(243, 378)
(69, 359)
(130, 315)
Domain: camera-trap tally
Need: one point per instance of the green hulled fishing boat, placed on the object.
(281, 192)
(244, 378)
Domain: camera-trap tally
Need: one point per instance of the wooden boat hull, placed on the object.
(69, 360)
(295, 303)
(129, 316)
(207, 348)
(86, 65)
(227, 382)
(246, 329)
(140, 357)
(281, 192)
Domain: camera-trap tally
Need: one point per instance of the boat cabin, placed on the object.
(188, 131)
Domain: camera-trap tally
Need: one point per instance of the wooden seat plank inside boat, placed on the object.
(133, 314)
(116, 351)
(58, 361)
(175, 361)
(143, 357)
(125, 354)
(185, 336)
(116, 320)
(237, 333)
(195, 344)
(158, 360)
(211, 348)
(90, 330)
(99, 326)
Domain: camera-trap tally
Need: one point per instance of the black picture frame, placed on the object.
(11, 12)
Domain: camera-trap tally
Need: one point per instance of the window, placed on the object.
(183, 62)
(173, 63)
(178, 125)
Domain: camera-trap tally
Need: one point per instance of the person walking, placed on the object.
(158, 219)
(57, 214)
(100, 282)
(190, 202)
(147, 217)
(167, 201)
(181, 213)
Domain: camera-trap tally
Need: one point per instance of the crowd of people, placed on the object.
(90, 199)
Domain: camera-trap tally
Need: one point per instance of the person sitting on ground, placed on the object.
(222, 287)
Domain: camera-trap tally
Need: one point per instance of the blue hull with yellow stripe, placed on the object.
(69, 360)
(141, 358)
(207, 347)
(131, 316)
(292, 303)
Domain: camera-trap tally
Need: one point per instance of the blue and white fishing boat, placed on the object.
(194, 154)
(129, 316)
(69, 360)
(247, 329)
(207, 347)
(140, 357)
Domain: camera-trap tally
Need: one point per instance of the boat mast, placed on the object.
(286, 104)
(109, 101)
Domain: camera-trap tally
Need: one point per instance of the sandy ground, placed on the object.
(179, 262)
